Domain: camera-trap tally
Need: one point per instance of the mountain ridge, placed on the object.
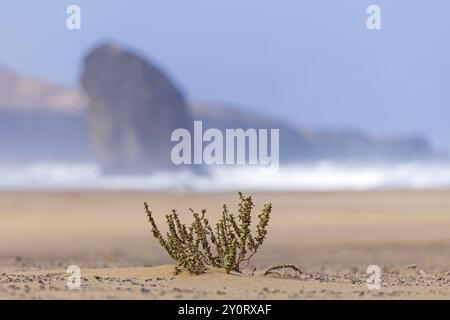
(24, 92)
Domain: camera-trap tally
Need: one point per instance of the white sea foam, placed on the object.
(323, 176)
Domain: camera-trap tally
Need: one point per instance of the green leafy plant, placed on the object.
(228, 245)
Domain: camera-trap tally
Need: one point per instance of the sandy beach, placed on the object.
(332, 237)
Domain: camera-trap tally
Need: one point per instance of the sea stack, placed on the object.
(133, 107)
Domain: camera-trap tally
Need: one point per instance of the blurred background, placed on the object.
(357, 109)
(94, 108)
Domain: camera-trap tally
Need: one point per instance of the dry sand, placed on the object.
(332, 236)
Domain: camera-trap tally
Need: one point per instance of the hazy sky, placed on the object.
(312, 62)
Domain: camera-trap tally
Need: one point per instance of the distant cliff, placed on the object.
(128, 109)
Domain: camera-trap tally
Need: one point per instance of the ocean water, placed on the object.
(323, 176)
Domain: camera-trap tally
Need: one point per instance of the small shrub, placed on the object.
(228, 245)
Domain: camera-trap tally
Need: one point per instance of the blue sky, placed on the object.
(312, 62)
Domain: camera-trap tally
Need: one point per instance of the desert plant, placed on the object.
(229, 245)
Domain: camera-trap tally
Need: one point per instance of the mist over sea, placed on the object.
(323, 176)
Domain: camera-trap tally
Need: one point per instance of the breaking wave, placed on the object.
(323, 176)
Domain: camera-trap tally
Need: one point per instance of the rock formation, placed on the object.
(133, 109)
